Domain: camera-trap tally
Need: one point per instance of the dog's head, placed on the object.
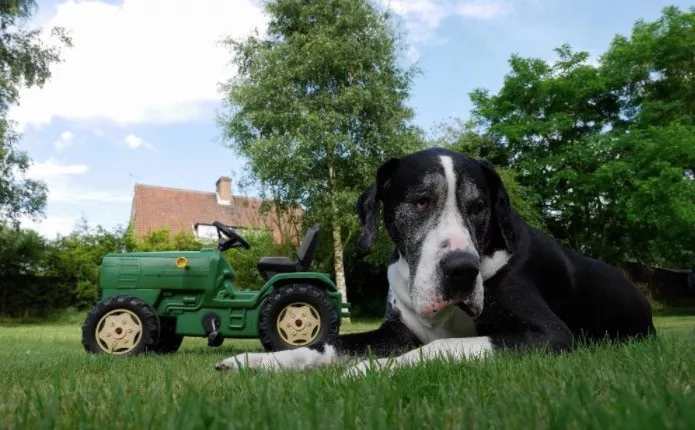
(445, 213)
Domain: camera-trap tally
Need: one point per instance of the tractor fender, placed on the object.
(321, 280)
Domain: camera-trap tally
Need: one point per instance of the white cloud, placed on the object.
(51, 226)
(481, 9)
(139, 61)
(65, 140)
(71, 195)
(57, 178)
(423, 17)
(51, 169)
(134, 142)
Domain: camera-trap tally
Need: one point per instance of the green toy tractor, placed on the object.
(149, 301)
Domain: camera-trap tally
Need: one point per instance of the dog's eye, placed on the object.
(422, 203)
(476, 207)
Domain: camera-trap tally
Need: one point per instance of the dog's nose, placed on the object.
(460, 267)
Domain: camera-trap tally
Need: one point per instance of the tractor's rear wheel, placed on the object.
(122, 326)
(169, 341)
(296, 316)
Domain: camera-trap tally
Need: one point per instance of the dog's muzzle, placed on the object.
(460, 269)
(459, 275)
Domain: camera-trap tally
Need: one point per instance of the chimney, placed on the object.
(224, 190)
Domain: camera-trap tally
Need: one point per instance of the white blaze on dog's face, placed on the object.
(445, 214)
(444, 263)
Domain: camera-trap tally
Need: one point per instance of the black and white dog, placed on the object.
(469, 276)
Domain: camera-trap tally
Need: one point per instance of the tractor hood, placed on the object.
(161, 269)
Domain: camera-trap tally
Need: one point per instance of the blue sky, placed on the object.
(136, 97)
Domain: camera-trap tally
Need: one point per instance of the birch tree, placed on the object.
(317, 103)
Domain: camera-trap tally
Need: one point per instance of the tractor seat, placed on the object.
(271, 266)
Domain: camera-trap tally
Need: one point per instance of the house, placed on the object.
(191, 211)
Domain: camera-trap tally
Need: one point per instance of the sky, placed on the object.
(137, 96)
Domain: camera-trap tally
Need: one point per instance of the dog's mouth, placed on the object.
(469, 308)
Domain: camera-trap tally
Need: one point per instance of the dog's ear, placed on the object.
(501, 208)
(368, 211)
(383, 176)
(368, 203)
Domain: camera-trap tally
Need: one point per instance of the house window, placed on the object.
(209, 232)
(205, 231)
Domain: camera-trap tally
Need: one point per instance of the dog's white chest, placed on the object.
(448, 323)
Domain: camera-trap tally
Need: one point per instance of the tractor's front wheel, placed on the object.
(121, 326)
(296, 316)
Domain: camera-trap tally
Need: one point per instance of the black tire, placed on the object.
(169, 341)
(148, 322)
(286, 295)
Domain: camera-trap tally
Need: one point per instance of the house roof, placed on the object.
(156, 207)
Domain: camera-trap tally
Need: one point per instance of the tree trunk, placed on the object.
(337, 242)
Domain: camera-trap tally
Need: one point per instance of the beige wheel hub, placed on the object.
(298, 324)
(118, 331)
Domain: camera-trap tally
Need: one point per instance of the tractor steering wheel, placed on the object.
(231, 234)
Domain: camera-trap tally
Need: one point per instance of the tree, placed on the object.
(608, 149)
(317, 104)
(653, 147)
(541, 122)
(77, 256)
(24, 61)
(21, 251)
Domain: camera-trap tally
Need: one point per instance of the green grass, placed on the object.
(48, 381)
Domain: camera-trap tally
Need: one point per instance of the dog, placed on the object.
(469, 276)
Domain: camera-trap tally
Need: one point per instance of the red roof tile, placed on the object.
(156, 207)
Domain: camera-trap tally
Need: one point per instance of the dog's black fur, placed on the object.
(546, 296)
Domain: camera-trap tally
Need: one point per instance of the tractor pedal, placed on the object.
(215, 339)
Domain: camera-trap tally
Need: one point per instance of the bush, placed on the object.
(76, 259)
(244, 261)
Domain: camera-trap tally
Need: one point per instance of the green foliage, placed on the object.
(22, 255)
(244, 261)
(24, 61)
(77, 256)
(323, 89)
(43, 276)
(540, 122)
(608, 149)
(21, 251)
(162, 240)
(317, 104)
(654, 144)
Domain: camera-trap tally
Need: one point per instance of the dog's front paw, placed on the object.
(300, 358)
(361, 368)
(242, 361)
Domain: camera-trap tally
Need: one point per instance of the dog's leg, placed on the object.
(542, 330)
(300, 358)
(456, 348)
(392, 337)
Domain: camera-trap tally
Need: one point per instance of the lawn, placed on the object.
(48, 381)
